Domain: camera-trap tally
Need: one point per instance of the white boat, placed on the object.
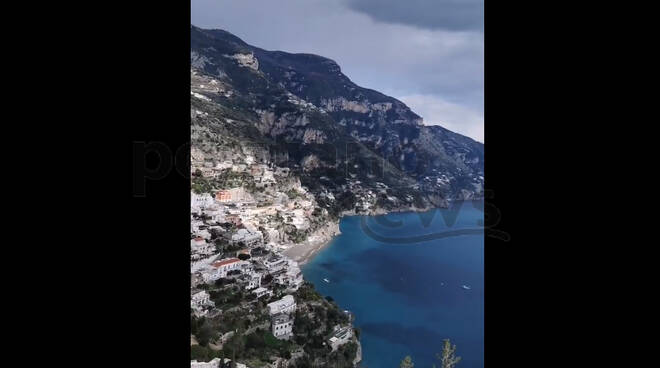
(466, 287)
(326, 280)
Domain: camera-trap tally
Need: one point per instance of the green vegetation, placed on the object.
(313, 324)
(231, 179)
(344, 355)
(201, 185)
(241, 313)
(203, 353)
(448, 359)
(295, 235)
(407, 362)
(230, 296)
(306, 293)
(293, 194)
(203, 329)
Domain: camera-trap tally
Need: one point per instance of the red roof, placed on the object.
(223, 262)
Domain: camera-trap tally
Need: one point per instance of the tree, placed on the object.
(200, 353)
(204, 334)
(448, 359)
(407, 362)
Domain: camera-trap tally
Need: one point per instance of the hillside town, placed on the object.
(250, 306)
(282, 146)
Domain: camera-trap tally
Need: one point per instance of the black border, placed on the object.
(124, 256)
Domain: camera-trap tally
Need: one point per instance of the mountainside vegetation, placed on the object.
(300, 111)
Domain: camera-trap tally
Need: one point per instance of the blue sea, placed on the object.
(401, 275)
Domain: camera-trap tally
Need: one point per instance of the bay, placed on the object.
(402, 276)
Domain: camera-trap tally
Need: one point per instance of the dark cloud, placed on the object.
(456, 15)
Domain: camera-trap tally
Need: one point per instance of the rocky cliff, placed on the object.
(356, 149)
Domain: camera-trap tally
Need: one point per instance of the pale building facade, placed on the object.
(285, 305)
(282, 326)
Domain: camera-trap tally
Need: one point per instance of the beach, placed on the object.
(317, 241)
(303, 252)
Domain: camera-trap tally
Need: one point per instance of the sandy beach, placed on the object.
(304, 251)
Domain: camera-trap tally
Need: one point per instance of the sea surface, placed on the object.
(401, 275)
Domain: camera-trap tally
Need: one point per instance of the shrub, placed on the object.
(201, 353)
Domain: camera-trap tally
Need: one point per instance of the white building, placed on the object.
(261, 291)
(216, 213)
(247, 237)
(223, 165)
(266, 178)
(194, 225)
(254, 281)
(199, 301)
(298, 219)
(238, 167)
(215, 363)
(200, 248)
(285, 305)
(209, 274)
(201, 298)
(221, 267)
(274, 236)
(292, 278)
(200, 201)
(197, 242)
(341, 336)
(203, 265)
(274, 263)
(282, 326)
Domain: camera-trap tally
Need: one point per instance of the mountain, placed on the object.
(354, 148)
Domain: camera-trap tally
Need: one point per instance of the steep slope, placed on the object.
(360, 148)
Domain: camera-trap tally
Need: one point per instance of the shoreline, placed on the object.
(322, 238)
(305, 251)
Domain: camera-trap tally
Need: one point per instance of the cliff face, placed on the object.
(354, 148)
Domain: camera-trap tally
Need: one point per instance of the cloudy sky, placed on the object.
(427, 53)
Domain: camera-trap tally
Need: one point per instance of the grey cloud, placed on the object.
(457, 15)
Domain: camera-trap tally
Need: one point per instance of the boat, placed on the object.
(466, 287)
(326, 280)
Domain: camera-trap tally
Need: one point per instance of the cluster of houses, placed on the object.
(238, 235)
(258, 221)
(251, 229)
(234, 216)
(264, 173)
(249, 272)
(252, 210)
